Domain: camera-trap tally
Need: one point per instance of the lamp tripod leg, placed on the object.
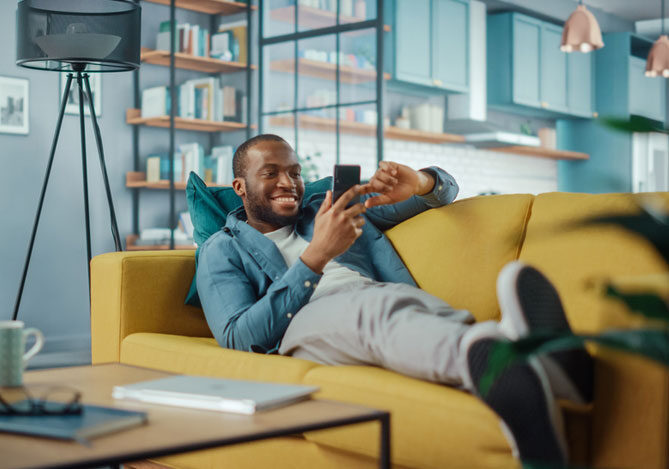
(31, 243)
(103, 166)
(84, 168)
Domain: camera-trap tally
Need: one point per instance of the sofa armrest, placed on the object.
(141, 292)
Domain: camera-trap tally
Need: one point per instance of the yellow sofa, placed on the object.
(454, 252)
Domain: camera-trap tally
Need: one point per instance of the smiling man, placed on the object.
(320, 281)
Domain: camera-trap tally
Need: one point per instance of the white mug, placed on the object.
(13, 355)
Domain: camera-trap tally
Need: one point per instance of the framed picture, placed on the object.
(14, 105)
(72, 106)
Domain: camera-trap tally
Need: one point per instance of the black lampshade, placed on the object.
(77, 35)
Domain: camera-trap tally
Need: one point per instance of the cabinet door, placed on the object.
(579, 84)
(450, 39)
(553, 70)
(412, 41)
(526, 40)
(646, 94)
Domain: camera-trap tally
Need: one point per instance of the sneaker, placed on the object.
(521, 397)
(530, 303)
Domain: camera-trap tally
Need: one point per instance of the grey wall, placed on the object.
(55, 298)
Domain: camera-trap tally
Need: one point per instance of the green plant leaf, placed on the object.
(649, 305)
(633, 124)
(649, 343)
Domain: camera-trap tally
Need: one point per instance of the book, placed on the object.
(93, 421)
(219, 394)
(155, 101)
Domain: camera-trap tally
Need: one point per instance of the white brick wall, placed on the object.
(475, 170)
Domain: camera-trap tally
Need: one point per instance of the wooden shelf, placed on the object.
(314, 17)
(192, 62)
(211, 7)
(359, 128)
(324, 124)
(412, 135)
(130, 245)
(137, 180)
(326, 70)
(542, 152)
(133, 117)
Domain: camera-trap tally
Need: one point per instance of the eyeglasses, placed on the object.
(54, 400)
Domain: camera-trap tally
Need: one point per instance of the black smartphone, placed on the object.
(345, 177)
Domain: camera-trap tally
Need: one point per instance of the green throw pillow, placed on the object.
(209, 207)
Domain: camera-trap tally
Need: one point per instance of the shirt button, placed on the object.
(307, 284)
(440, 187)
(315, 285)
(289, 315)
(276, 277)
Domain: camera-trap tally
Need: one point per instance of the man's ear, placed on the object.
(239, 186)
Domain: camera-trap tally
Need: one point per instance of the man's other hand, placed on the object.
(335, 229)
(396, 182)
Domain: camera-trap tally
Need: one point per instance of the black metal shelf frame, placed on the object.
(337, 30)
(173, 97)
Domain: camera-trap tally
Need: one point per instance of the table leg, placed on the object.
(384, 456)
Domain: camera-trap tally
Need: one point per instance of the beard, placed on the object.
(264, 212)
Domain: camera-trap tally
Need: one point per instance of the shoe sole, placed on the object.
(569, 371)
(522, 394)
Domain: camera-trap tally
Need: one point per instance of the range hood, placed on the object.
(467, 113)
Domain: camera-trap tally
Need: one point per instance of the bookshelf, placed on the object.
(191, 62)
(217, 11)
(134, 117)
(210, 7)
(137, 180)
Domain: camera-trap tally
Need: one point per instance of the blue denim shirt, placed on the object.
(249, 295)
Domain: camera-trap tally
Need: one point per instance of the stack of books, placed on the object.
(202, 98)
(189, 39)
(229, 42)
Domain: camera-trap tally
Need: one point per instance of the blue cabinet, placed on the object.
(431, 43)
(553, 70)
(647, 94)
(526, 54)
(528, 73)
(413, 62)
(580, 81)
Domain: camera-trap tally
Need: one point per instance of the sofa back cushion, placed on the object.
(579, 258)
(455, 252)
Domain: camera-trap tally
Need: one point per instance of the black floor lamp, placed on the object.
(80, 37)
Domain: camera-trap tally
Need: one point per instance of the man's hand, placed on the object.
(396, 182)
(336, 228)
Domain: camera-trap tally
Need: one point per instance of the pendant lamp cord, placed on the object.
(662, 16)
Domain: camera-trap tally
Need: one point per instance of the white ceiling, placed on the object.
(631, 10)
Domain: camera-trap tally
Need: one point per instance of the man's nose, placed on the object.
(285, 180)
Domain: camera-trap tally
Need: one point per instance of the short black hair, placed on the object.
(239, 160)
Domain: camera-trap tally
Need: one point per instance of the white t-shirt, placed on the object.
(291, 246)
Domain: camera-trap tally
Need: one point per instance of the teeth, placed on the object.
(285, 199)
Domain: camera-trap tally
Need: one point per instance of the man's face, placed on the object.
(272, 189)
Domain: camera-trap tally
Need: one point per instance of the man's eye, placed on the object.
(296, 174)
(269, 174)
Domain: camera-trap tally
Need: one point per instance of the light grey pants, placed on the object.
(395, 326)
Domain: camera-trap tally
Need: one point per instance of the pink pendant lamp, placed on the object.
(658, 57)
(581, 31)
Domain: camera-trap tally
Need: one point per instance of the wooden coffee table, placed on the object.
(170, 430)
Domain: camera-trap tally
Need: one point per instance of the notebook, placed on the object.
(93, 421)
(219, 394)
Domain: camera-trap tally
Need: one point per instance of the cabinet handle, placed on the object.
(436, 82)
(595, 115)
(544, 104)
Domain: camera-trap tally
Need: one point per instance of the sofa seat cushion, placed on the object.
(456, 252)
(431, 424)
(203, 356)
